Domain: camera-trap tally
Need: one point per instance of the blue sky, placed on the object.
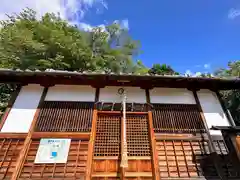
(195, 35)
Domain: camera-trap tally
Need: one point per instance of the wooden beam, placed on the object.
(12, 100)
(13, 135)
(212, 149)
(91, 146)
(28, 140)
(120, 112)
(72, 135)
(152, 140)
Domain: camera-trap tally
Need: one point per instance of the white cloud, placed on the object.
(206, 66)
(72, 10)
(123, 23)
(233, 13)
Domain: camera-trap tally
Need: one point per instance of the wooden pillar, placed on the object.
(92, 138)
(154, 159)
(9, 107)
(213, 153)
(27, 142)
(122, 168)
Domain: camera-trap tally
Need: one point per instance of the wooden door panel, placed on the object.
(105, 166)
(108, 143)
(139, 166)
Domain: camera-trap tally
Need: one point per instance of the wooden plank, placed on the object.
(161, 136)
(155, 170)
(9, 107)
(91, 145)
(72, 135)
(120, 112)
(28, 139)
(13, 135)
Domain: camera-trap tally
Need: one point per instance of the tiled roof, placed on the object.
(69, 77)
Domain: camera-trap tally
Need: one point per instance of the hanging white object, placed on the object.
(124, 159)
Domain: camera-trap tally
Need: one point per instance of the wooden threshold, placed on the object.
(72, 135)
(127, 174)
(138, 174)
(105, 174)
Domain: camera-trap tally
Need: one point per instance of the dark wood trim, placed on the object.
(212, 149)
(230, 120)
(12, 100)
(28, 140)
(97, 94)
(72, 135)
(91, 146)
(152, 140)
(13, 135)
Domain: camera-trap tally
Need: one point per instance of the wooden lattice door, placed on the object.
(107, 148)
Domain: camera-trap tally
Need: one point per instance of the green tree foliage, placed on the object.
(50, 42)
(231, 98)
(162, 70)
(27, 42)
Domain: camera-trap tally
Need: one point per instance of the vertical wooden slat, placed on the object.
(155, 169)
(27, 141)
(9, 107)
(212, 149)
(92, 138)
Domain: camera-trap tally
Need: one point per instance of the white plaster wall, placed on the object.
(71, 93)
(22, 113)
(134, 94)
(171, 96)
(212, 110)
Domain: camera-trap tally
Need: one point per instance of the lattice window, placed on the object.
(137, 135)
(177, 118)
(9, 152)
(65, 117)
(133, 107)
(108, 133)
(75, 168)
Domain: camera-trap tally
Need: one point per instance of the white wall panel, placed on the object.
(71, 93)
(22, 113)
(134, 94)
(171, 96)
(212, 110)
